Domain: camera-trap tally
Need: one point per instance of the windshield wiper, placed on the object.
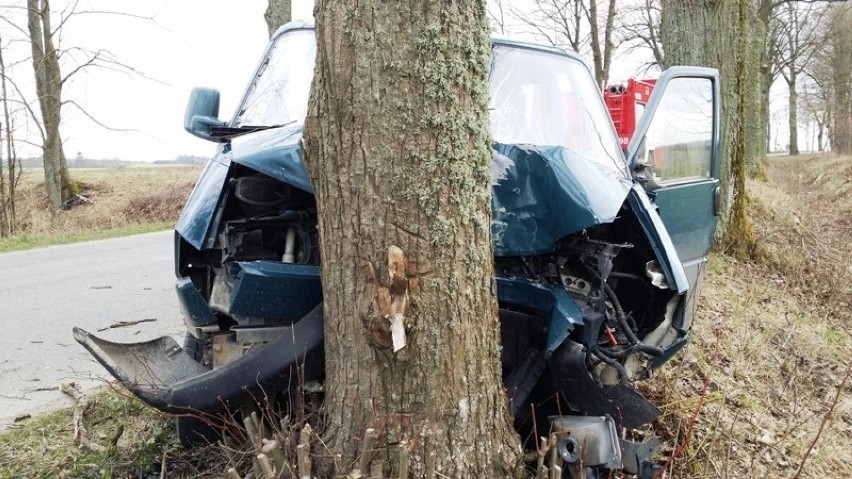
(224, 133)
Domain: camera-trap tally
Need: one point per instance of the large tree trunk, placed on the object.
(398, 150)
(278, 12)
(841, 66)
(48, 79)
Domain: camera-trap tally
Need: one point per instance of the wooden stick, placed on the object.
(251, 431)
(555, 460)
(276, 455)
(258, 426)
(232, 474)
(540, 470)
(124, 324)
(266, 466)
(304, 461)
(303, 453)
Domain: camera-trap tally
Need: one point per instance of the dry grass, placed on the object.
(120, 200)
(136, 442)
(783, 334)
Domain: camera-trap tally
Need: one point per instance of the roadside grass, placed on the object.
(27, 241)
(772, 340)
(132, 441)
(120, 201)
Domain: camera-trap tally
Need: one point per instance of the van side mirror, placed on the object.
(202, 112)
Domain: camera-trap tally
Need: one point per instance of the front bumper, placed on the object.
(167, 378)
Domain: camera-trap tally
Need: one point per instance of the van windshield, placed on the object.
(547, 99)
(538, 98)
(279, 93)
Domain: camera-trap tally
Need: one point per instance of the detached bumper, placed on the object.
(166, 377)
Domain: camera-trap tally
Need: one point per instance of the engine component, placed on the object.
(592, 439)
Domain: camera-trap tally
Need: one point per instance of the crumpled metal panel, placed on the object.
(276, 152)
(278, 291)
(165, 376)
(540, 193)
(543, 193)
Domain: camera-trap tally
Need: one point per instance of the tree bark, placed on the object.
(398, 150)
(8, 179)
(601, 54)
(48, 79)
(793, 116)
(278, 12)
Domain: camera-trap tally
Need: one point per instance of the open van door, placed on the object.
(675, 155)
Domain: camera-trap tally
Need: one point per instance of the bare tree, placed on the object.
(579, 25)
(831, 71)
(798, 36)
(601, 42)
(497, 15)
(49, 82)
(640, 28)
(723, 34)
(815, 108)
(559, 22)
(408, 223)
(278, 12)
(9, 177)
(53, 68)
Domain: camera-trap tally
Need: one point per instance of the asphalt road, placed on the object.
(46, 291)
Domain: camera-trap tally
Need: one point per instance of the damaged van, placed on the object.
(599, 253)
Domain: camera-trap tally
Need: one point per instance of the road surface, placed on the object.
(46, 291)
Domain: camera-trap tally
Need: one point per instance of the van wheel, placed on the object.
(195, 346)
(192, 431)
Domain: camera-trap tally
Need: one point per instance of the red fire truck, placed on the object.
(625, 103)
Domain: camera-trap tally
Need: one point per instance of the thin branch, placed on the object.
(825, 418)
(91, 61)
(95, 120)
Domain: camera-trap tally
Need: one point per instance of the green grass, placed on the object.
(28, 241)
(44, 447)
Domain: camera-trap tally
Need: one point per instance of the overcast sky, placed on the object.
(213, 43)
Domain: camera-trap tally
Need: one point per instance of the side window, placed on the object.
(679, 143)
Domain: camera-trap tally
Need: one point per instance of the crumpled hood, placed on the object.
(541, 194)
(276, 152)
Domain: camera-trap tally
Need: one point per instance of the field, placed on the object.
(120, 201)
(764, 389)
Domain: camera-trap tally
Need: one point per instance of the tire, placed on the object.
(195, 346)
(192, 431)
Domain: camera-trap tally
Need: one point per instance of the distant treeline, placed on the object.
(79, 162)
